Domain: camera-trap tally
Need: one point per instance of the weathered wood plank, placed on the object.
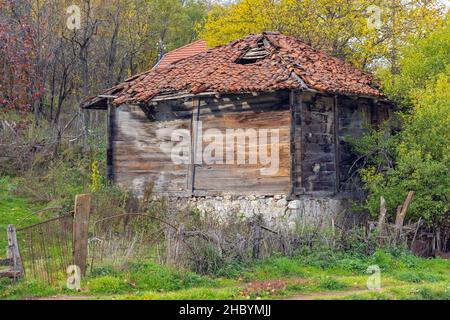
(234, 177)
(194, 145)
(14, 252)
(10, 274)
(143, 149)
(110, 142)
(336, 144)
(81, 231)
(293, 148)
(318, 160)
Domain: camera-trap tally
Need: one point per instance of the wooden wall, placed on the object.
(142, 145)
(142, 150)
(356, 116)
(269, 111)
(316, 169)
(313, 137)
(324, 166)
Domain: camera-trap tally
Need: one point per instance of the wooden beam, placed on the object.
(194, 135)
(10, 274)
(14, 253)
(299, 149)
(107, 96)
(111, 124)
(182, 95)
(81, 231)
(337, 144)
(293, 150)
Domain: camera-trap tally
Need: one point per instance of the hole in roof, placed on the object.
(253, 55)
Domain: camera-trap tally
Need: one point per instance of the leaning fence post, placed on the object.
(81, 231)
(401, 214)
(14, 253)
(256, 241)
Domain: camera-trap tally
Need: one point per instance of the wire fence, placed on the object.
(118, 240)
(46, 248)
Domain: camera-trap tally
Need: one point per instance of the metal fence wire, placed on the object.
(118, 240)
(46, 248)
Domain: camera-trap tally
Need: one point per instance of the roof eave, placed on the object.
(99, 102)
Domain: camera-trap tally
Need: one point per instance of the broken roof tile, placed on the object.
(219, 70)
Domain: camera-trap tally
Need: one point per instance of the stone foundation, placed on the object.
(275, 211)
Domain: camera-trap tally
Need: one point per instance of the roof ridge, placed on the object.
(175, 55)
(187, 45)
(290, 68)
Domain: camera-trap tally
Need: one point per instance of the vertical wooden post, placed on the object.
(14, 253)
(293, 109)
(256, 241)
(178, 245)
(382, 217)
(194, 143)
(336, 145)
(110, 142)
(80, 231)
(299, 145)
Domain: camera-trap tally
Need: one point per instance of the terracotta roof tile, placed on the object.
(290, 64)
(182, 53)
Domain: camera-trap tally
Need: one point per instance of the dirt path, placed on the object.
(328, 294)
(303, 297)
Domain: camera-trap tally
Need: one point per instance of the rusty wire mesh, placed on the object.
(46, 248)
(118, 240)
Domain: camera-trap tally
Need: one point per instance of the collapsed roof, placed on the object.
(258, 63)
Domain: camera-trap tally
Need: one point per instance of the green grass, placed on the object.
(146, 277)
(440, 291)
(403, 277)
(13, 210)
(319, 274)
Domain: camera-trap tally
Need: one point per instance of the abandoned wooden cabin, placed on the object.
(263, 82)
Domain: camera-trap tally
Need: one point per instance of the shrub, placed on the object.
(417, 158)
(329, 283)
(154, 277)
(109, 285)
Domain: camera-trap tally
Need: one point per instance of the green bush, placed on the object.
(419, 277)
(153, 277)
(109, 285)
(417, 158)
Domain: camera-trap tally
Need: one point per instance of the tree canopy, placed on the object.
(418, 158)
(346, 28)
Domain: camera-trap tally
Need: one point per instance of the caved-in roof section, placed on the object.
(258, 63)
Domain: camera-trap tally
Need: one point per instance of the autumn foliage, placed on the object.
(19, 86)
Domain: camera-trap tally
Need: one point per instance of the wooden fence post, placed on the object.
(382, 220)
(256, 241)
(401, 214)
(14, 253)
(81, 231)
